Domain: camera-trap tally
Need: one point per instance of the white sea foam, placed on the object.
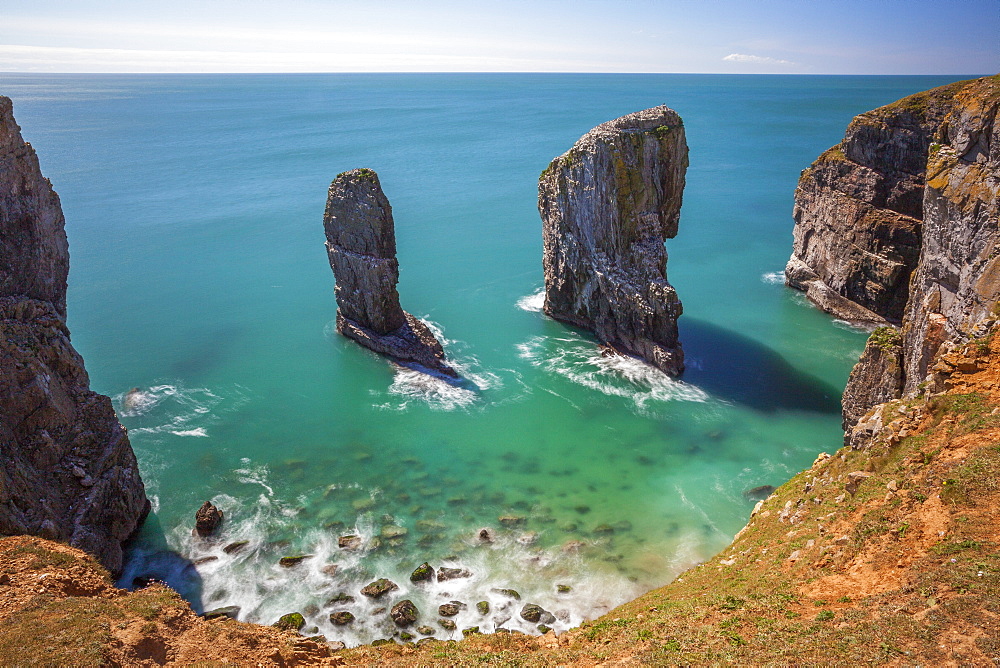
(533, 302)
(773, 277)
(197, 431)
(254, 475)
(582, 362)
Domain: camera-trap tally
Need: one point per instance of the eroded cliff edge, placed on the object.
(898, 224)
(361, 244)
(607, 206)
(67, 470)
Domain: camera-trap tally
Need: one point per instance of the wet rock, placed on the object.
(445, 573)
(607, 206)
(405, 637)
(293, 621)
(510, 593)
(483, 607)
(230, 611)
(341, 618)
(485, 535)
(534, 613)
(563, 616)
(330, 569)
(425, 630)
(342, 598)
(205, 560)
(404, 613)
(349, 542)
(237, 547)
(379, 588)
(422, 573)
(291, 561)
(336, 645)
(447, 624)
(361, 244)
(451, 609)
(472, 630)
(543, 629)
(207, 520)
(563, 589)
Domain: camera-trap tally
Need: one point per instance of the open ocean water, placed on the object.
(194, 211)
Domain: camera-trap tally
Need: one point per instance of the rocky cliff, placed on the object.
(607, 206)
(361, 244)
(898, 224)
(67, 470)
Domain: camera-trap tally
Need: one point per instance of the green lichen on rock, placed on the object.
(886, 337)
(293, 621)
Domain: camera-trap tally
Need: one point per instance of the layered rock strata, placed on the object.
(67, 470)
(859, 211)
(607, 206)
(361, 244)
(899, 223)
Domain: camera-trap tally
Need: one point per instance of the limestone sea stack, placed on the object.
(67, 470)
(361, 243)
(607, 206)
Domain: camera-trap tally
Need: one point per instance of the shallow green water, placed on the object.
(194, 208)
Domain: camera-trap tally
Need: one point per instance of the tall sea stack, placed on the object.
(607, 206)
(67, 470)
(361, 243)
(899, 223)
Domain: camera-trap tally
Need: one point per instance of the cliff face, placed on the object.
(607, 205)
(361, 244)
(67, 470)
(899, 223)
(858, 211)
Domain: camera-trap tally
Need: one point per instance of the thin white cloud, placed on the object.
(756, 60)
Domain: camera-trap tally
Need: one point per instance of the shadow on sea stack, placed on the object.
(607, 206)
(361, 243)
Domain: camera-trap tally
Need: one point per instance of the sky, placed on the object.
(725, 36)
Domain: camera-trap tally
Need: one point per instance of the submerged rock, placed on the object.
(361, 243)
(445, 573)
(404, 613)
(207, 519)
(759, 492)
(607, 205)
(379, 588)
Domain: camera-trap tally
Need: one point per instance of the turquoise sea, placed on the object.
(194, 212)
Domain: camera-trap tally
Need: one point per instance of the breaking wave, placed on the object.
(533, 302)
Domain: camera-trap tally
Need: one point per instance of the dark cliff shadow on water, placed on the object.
(738, 369)
(148, 558)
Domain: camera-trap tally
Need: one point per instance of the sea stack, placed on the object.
(361, 243)
(67, 470)
(607, 206)
(899, 223)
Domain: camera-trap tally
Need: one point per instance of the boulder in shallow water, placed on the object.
(379, 588)
(404, 613)
(207, 520)
(510, 593)
(230, 611)
(341, 618)
(485, 535)
(422, 573)
(349, 542)
(425, 630)
(451, 609)
(289, 562)
(293, 621)
(236, 547)
(342, 598)
(447, 624)
(445, 573)
(534, 613)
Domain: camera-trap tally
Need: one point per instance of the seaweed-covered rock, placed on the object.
(447, 624)
(404, 613)
(293, 621)
(289, 562)
(607, 205)
(342, 598)
(379, 588)
(510, 593)
(230, 611)
(341, 618)
(534, 613)
(425, 630)
(451, 609)
(483, 607)
(422, 573)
